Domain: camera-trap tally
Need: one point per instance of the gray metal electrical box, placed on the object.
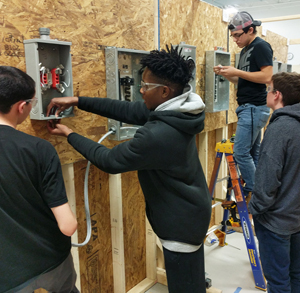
(286, 67)
(189, 51)
(216, 86)
(123, 80)
(48, 62)
(277, 66)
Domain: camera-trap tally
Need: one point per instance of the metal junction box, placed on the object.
(189, 51)
(277, 66)
(216, 86)
(123, 80)
(48, 62)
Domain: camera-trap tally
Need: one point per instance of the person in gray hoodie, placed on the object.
(164, 153)
(275, 204)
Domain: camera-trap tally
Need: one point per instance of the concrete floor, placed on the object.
(228, 267)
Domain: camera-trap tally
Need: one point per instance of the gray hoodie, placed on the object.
(276, 195)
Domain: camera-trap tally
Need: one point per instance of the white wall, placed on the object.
(295, 50)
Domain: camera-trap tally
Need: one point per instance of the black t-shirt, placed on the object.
(258, 54)
(31, 183)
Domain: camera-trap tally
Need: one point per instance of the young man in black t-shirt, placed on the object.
(36, 219)
(254, 71)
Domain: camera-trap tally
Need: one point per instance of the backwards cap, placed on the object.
(241, 20)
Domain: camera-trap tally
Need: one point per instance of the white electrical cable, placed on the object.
(86, 198)
(67, 85)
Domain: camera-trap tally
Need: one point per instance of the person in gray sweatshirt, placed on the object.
(164, 153)
(275, 204)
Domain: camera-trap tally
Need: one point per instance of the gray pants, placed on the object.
(60, 280)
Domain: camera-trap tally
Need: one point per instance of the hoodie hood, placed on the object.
(188, 102)
(291, 111)
(184, 112)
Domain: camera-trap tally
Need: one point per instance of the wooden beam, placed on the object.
(142, 286)
(280, 18)
(150, 252)
(220, 189)
(294, 42)
(203, 151)
(116, 215)
(68, 175)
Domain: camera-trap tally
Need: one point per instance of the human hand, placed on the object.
(228, 71)
(58, 105)
(217, 69)
(56, 128)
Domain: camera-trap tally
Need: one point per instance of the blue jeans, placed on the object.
(280, 259)
(251, 119)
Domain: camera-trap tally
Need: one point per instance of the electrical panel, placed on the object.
(216, 86)
(286, 67)
(189, 51)
(48, 62)
(277, 66)
(123, 80)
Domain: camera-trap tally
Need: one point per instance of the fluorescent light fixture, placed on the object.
(228, 12)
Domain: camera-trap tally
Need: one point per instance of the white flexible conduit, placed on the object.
(86, 199)
(86, 193)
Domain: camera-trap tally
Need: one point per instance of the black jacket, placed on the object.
(178, 204)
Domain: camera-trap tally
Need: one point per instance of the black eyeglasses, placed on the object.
(237, 36)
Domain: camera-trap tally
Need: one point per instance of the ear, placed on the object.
(278, 97)
(166, 92)
(20, 106)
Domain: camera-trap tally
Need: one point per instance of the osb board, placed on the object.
(279, 46)
(134, 230)
(96, 271)
(211, 155)
(199, 24)
(89, 25)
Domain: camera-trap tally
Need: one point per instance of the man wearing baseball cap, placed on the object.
(254, 71)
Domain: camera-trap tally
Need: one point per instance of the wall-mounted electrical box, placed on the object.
(216, 86)
(123, 80)
(277, 66)
(48, 62)
(286, 67)
(189, 51)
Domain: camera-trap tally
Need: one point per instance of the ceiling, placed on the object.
(263, 9)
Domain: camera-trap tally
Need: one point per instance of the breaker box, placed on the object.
(216, 86)
(123, 80)
(189, 51)
(277, 66)
(286, 67)
(48, 62)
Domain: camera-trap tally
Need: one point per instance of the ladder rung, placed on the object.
(222, 179)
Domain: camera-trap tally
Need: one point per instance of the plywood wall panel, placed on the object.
(90, 26)
(96, 257)
(134, 230)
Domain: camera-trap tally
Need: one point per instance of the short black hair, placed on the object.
(246, 29)
(15, 86)
(169, 65)
(288, 83)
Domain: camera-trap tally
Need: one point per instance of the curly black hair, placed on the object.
(169, 65)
